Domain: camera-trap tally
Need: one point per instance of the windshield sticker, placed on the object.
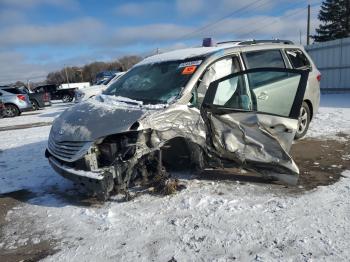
(191, 63)
(189, 70)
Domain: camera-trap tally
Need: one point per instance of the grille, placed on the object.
(69, 151)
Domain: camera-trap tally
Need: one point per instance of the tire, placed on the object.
(11, 110)
(67, 98)
(304, 121)
(35, 105)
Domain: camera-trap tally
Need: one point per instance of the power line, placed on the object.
(217, 21)
(274, 22)
(268, 18)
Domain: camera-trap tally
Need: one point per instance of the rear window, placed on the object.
(264, 58)
(13, 91)
(298, 59)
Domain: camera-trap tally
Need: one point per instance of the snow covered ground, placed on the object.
(209, 220)
(333, 116)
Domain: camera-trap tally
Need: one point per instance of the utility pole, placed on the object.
(65, 69)
(300, 37)
(308, 25)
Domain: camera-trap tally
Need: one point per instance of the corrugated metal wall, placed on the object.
(333, 60)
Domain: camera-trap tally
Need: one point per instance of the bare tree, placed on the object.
(89, 71)
(127, 62)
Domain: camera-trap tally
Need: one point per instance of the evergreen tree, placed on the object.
(335, 18)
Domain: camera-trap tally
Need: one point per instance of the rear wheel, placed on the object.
(35, 105)
(303, 121)
(11, 110)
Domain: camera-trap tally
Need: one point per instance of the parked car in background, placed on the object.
(2, 109)
(80, 85)
(37, 100)
(86, 93)
(15, 104)
(103, 76)
(65, 94)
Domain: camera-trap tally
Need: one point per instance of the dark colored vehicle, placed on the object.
(66, 94)
(38, 100)
(103, 76)
(2, 109)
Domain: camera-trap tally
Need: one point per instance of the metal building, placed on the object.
(333, 60)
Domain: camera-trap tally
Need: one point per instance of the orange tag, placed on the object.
(189, 70)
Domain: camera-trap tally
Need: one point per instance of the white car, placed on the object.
(91, 91)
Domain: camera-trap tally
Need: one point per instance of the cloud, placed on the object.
(82, 31)
(149, 33)
(24, 4)
(186, 8)
(220, 8)
(13, 67)
(146, 9)
(88, 39)
(10, 16)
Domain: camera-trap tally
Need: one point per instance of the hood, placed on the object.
(94, 119)
(94, 87)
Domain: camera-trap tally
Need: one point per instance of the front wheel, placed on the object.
(67, 98)
(303, 121)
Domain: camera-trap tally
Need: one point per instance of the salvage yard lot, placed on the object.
(220, 215)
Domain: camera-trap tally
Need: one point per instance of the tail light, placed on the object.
(319, 77)
(46, 97)
(21, 97)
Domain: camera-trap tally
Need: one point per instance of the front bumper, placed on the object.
(96, 182)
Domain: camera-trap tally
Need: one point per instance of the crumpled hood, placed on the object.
(93, 119)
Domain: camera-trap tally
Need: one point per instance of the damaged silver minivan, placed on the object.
(200, 107)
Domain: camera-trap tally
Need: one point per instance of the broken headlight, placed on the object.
(121, 146)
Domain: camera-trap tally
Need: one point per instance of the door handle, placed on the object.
(263, 96)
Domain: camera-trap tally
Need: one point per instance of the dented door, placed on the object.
(255, 125)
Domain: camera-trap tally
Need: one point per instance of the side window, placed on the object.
(264, 58)
(217, 70)
(13, 91)
(261, 59)
(298, 59)
(275, 97)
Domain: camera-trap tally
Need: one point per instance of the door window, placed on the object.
(217, 70)
(277, 97)
(264, 58)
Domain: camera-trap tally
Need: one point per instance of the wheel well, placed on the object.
(308, 102)
(12, 105)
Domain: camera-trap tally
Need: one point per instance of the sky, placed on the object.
(39, 36)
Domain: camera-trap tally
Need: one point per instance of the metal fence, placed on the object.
(333, 60)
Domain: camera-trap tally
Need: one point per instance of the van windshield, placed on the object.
(157, 83)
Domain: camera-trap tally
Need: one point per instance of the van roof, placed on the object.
(187, 53)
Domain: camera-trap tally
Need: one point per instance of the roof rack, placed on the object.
(229, 42)
(277, 41)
